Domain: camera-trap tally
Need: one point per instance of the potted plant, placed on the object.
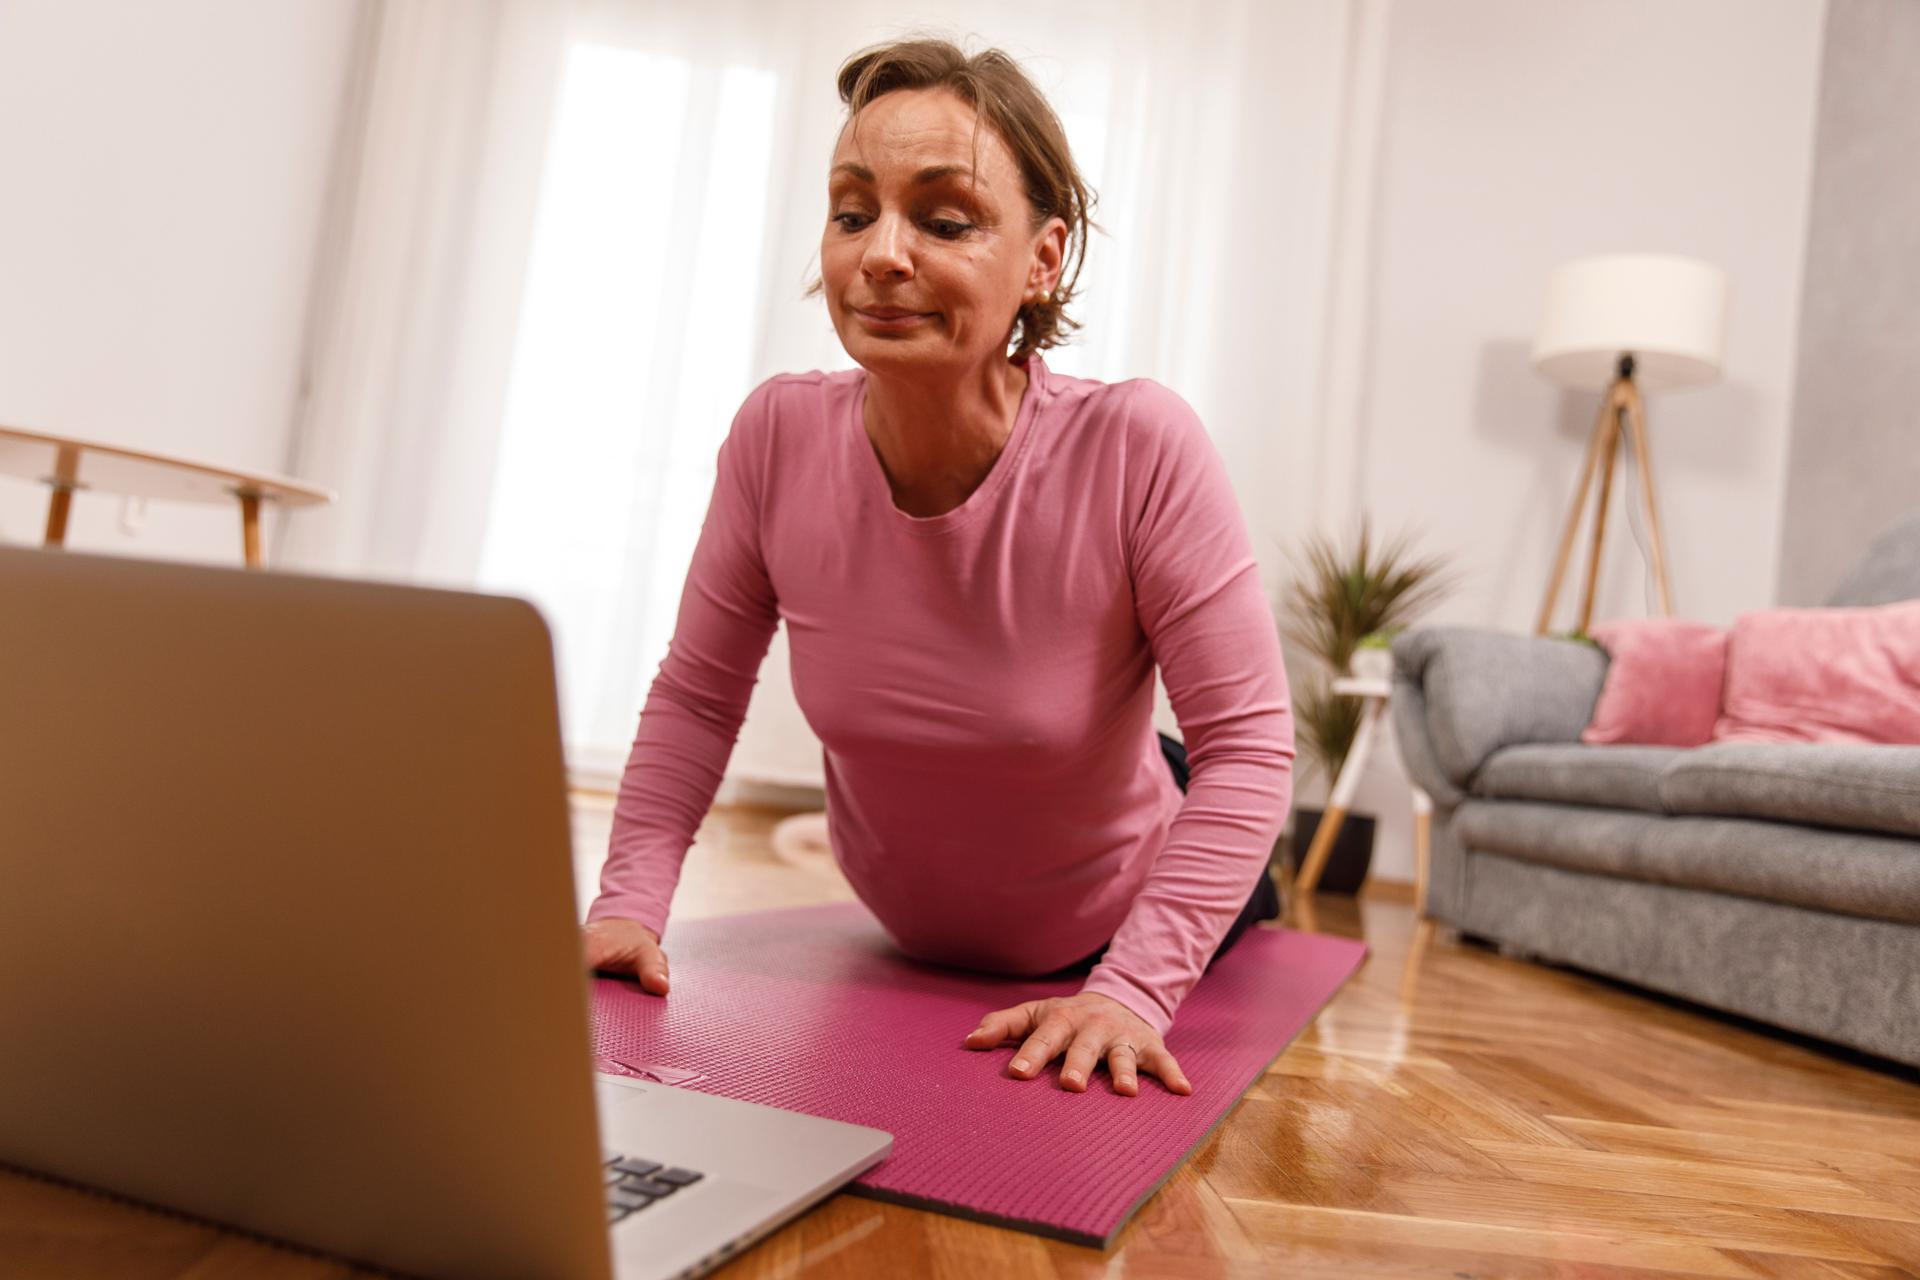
(1373, 655)
(1345, 602)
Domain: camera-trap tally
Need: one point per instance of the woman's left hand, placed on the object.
(1087, 1027)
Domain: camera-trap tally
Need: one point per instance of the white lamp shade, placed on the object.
(1668, 312)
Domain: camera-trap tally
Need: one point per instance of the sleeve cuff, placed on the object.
(609, 908)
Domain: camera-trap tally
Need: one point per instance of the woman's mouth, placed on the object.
(891, 319)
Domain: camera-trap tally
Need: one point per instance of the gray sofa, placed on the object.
(1781, 882)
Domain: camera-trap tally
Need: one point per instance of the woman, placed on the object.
(979, 563)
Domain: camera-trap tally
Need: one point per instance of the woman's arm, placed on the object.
(1199, 599)
(694, 708)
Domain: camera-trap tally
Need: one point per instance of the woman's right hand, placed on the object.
(629, 949)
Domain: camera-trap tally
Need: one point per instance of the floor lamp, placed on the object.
(1618, 324)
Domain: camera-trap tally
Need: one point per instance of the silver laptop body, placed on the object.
(288, 935)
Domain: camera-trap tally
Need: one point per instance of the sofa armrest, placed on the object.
(1468, 692)
(1409, 712)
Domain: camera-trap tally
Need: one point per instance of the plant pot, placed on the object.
(1372, 664)
(1352, 852)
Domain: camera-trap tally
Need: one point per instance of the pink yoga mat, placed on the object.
(813, 1009)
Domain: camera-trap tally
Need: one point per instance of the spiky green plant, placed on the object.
(1338, 596)
(1327, 723)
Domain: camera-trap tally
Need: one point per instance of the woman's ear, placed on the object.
(1049, 252)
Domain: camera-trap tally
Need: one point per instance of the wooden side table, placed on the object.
(1377, 693)
(67, 465)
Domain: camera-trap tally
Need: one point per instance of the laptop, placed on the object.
(288, 936)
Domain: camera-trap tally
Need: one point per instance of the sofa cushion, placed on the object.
(1663, 683)
(1571, 773)
(1852, 873)
(1823, 675)
(1862, 787)
(1559, 835)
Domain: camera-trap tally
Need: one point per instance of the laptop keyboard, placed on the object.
(634, 1183)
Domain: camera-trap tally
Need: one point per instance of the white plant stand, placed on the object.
(1377, 693)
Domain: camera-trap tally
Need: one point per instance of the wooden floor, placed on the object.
(1451, 1114)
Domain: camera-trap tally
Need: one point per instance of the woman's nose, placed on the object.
(886, 253)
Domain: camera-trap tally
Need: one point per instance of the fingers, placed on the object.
(1049, 1038)
(1082, 1057)
(652, 970)
(1003, 1025)
(1045, 1032)
(627, 947)
(1122, 1064)
(1161, 1063)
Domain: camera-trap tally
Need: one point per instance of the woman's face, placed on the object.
(926, 258)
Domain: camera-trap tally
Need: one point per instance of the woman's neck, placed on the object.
(939, 438)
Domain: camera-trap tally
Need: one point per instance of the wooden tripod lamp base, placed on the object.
(1621, 413)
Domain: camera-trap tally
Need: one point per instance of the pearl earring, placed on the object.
(1046, 296)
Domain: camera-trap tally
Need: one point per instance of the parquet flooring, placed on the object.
(1453, 1114)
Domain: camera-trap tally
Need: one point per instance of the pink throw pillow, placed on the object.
(1824, 675)
(1663, 683)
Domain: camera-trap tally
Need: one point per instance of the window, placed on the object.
(636, 339)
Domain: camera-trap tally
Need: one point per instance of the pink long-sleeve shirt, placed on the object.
(981, 682)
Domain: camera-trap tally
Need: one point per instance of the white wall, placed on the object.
(1516, 135)
(164, 168)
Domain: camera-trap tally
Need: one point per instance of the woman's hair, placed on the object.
(995, 86)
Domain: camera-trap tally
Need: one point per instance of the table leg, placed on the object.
(250, 528)
(1423, 924)
(1343, 788)
(57, 516)
(1422, 850)
(64, 480)
(1318, 852)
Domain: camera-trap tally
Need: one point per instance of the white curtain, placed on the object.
(567, 239)
(416, 290)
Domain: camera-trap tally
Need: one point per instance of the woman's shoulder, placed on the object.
(784, 388)
(1145, 410)
(1154, 406)
(787, 397)
(1159, 435)
(1142, 397)
(814, 378)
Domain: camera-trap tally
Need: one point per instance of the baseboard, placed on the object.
(1378, 890)
(771, 793)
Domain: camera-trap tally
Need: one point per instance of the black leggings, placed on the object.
(1263, 905)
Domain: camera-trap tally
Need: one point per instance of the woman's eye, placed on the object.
(945, 228)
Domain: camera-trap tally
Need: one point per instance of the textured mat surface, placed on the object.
(813, 1009)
